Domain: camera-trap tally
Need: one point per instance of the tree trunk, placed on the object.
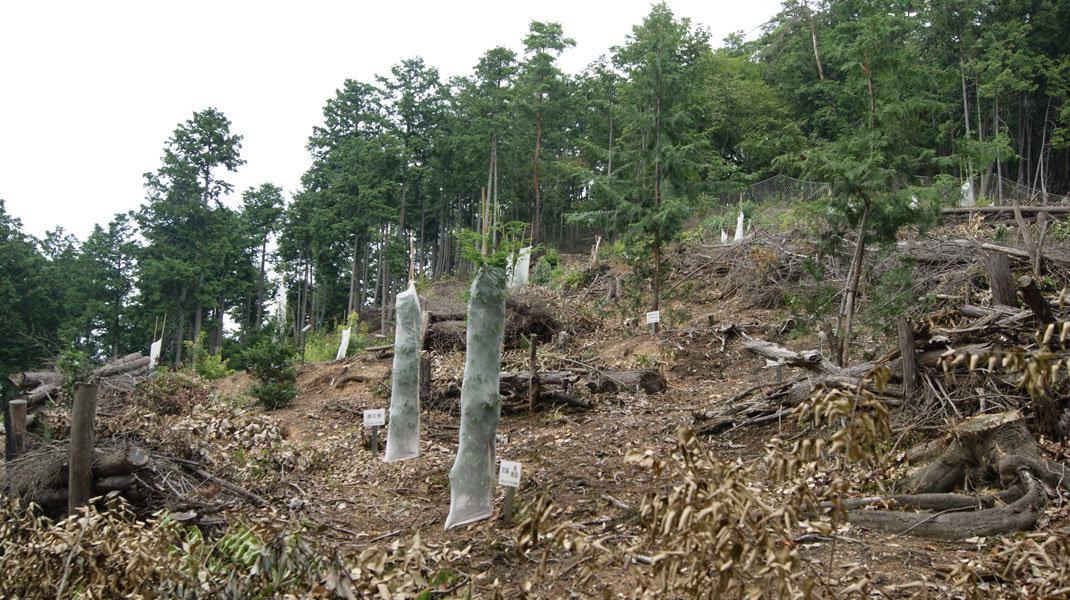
(538, 200)
(352, 276)
(260, 287)
(181, 329)
(813, 36)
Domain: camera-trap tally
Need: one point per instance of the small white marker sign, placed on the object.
(509, 474)
(375, 417)
(653, 317)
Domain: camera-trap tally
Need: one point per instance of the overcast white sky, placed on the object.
(91, 91)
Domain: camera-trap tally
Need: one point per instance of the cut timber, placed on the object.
(35, 378)
(119, 462)
(129, 363)
(1055, 209)
(994, 443)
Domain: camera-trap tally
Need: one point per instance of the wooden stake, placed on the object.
(483, 200)
(412, 260)
(163, 327)
(909, 360)
(18, 425)
(375, 441)
(510, 498)
(533, 365)
(80, 476)
(154, 325)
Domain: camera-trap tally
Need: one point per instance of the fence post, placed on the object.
(80, 476)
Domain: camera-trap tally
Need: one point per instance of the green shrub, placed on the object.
(322, 345)
(271, 363)
(207, 365)
(542, 274)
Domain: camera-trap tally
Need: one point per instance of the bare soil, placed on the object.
(572, 455)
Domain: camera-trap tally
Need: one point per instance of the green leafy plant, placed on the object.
(271, 363)
(204, 363)
(76, 366)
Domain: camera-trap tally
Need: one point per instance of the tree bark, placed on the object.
(1035, 300)
(999, 278)
(852, 287)
(813, 36)
(909, 359)
(80, 476)
(260, 287)
(538, 201)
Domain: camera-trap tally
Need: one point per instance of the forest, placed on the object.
(782, 316)
(861, 95)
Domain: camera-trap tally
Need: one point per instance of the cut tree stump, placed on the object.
(1000, 279)
(994, 444)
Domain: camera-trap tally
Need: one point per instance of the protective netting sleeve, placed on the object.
(403, 429)
(343, 346)
(154, 353)
(518, 276)
(472, 475)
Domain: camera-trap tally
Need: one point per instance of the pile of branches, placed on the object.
(1006, 365)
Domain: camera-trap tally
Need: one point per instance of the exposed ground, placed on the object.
(349, 503)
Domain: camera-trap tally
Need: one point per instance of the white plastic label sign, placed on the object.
(653, 317)
(375, 417)
(509, 474)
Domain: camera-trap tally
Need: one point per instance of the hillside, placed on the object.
(592, 484)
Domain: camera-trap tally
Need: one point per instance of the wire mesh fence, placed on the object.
(988, 190)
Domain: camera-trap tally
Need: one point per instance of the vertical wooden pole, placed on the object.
(18, 425)
(510, 499)
(425, 379)
(909, 359)
(533, 365)
(999, 279)
(375, 441)
(80, 477)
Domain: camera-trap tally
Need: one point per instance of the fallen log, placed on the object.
(1051, 209)
(50, 470)
(23, 379)
(647, 380)
(130, 362)
(46, 384)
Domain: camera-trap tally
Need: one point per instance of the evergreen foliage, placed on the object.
(271, 364)
(862, 95)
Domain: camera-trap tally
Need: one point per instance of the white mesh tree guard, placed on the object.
(472, 475)
(343, 347)
(154, 353)
(403, 429)
(518, 275)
